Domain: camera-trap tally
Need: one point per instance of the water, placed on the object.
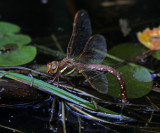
(117, 21)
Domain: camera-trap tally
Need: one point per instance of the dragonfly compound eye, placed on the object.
(54, 66)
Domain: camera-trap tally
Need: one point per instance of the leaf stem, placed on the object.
(57, 43)
(115, 58)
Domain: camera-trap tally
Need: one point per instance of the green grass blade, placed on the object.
(48, 88)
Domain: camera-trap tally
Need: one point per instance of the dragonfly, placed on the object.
(84, 55)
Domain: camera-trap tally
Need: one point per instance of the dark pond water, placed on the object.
(29, 111)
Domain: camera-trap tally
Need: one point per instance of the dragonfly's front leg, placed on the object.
(56, 78)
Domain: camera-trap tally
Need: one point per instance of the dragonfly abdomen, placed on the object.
(105, 68)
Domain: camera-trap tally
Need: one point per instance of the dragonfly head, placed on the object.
(52, 67)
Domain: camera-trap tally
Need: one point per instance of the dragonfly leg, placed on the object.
(56, 78)
(70, 82)
(58, 81)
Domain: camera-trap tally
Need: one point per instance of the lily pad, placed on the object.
(138, 82)
(13, 51)
(156, 54)
(8, 28)
(126, 51)
(18, 39)
(20, 56)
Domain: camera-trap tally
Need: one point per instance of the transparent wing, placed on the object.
(97, 80)
(80, 34)
(94, 51)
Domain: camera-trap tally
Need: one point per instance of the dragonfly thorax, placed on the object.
(67, 67)
(52, 67)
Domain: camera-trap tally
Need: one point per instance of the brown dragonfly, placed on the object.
(84, 55)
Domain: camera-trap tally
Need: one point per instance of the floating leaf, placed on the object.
(8, 28)
(19, 56)
(11, 43)
(127, 50)
(138, 82)
(156, 54)
(18, 39)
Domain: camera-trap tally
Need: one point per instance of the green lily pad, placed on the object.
(20, 56)
(8, 28)
(126, 51)
(18, 39)
(156, 54)
(138, 82)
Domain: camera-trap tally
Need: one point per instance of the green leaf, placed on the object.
(19, 56)
(8, 28)
(12, 43)
(126, 51)
(18, 39)
(156, 54)
(138, 82)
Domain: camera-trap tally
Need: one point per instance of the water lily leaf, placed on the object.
(126, 51)
(18, 39)
(20, 56)
(156, 54)
(138, 82)
(8, 28)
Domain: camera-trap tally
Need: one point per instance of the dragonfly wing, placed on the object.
(94, 51)
(80, 34)
(97, 80)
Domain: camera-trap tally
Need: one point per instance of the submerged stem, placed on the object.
(79, 123)
(63, 118)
